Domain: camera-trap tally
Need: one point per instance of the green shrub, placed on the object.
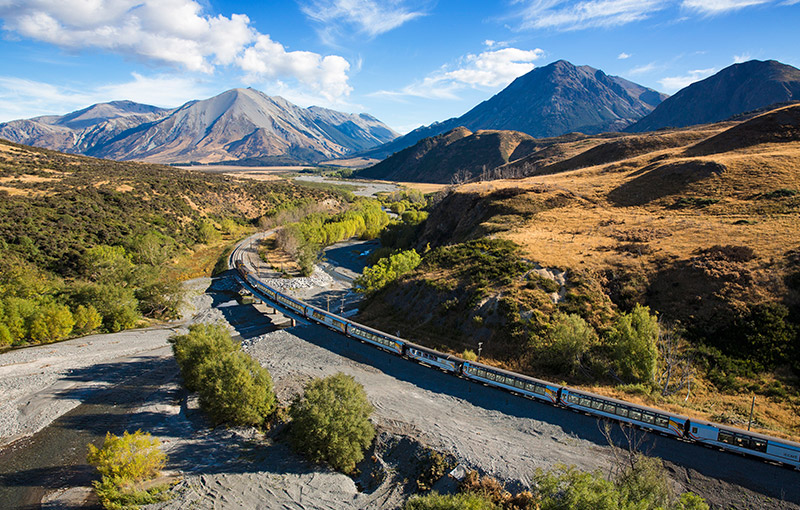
(436, 501)
(236, 390)
(387, 270)
(51, 322)
(131, 457)
(633, 339)
(569, 337)
(124, 462)
(87, 319)
(568, 488)
(330, 422)
(203, 343)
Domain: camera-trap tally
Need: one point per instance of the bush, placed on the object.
(330, 422)
(236, 390)
(633, 339)
(436, 501)
(52, 322)
(569, 338)
(233, 387)
(646, 482)
(87, 319)
(567, 488)
(131, 457)
(387, 270)
(124, 462)
(203, 343)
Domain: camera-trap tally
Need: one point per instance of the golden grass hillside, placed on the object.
(700, 224)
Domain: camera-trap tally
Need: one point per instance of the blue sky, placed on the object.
(407, 62)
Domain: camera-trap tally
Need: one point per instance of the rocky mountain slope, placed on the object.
(736, 89)
(461, 151)
(237, 124)
(549, 101)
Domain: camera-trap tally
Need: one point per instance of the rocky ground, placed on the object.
(415, 407)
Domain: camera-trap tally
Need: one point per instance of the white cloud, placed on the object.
(490, 69)
(623, 56)
(369, 16)
(568, 15)
(720, 6)
(644, 69)
(21, 98)
(744, 57)
(675, 83)
(173, 32)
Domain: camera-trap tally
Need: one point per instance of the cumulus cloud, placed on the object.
(22, 98)
(623, 56)
(173, 32)
(370, 17)
(675, 83)
(568, 15)
(489, 69)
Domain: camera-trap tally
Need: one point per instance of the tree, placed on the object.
(568, 488)
(87, 319)
(634, 340)
(107, 264)
(436, 501)
(330, 422)
(569, 338)
(203, 343)
(51, 322)
(387, 270)
(236, 390)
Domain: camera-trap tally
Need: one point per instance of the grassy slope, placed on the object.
(626, 229)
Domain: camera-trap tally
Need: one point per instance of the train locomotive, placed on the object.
(657, 420)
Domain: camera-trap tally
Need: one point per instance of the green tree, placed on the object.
(87, 319)
(634, 341)
(645, 481)
(236, 390)
(51, 322)
(158, 294)
(568, 488)
(18, 313)
(690, 501)
(117, 305)
(5, 335)
(202, 343)
(462, 501)
(387, 270)
(107, 264)
(330, 422)
(569, 338)
(205, 232)
(152, 248)
(130, 457)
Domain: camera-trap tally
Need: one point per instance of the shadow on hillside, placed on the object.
(660, 180)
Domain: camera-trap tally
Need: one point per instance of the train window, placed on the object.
(574, 398)
(648, 417)
(622, 411)
(725, 437)
(530, 387)
(541, 390)
(635, 414)
(662, 421)
(758, 444)
(585, 402)
(742, 441)
(609, 408)
(597, 404)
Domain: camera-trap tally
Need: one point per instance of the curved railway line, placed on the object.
(723, 437)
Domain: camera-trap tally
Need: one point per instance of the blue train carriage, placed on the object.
(433, 358)
(270, 292)
(642, 416)
(748, 443)
(375, 337)
(290, 303)
(332, 321)
(528, 386)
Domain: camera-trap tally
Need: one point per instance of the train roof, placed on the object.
(432, 351)
(509, 373)
(378, 332)
(737, 430)
(626, 403)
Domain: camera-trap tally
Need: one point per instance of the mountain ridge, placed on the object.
(236, 124)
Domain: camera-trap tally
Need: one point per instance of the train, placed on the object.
(666, 423)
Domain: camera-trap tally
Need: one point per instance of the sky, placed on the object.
(406, 62)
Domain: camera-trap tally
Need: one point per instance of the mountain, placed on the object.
(736, 89)
(237, 124)
(436, 159)
(549, 101)
(79, 131)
